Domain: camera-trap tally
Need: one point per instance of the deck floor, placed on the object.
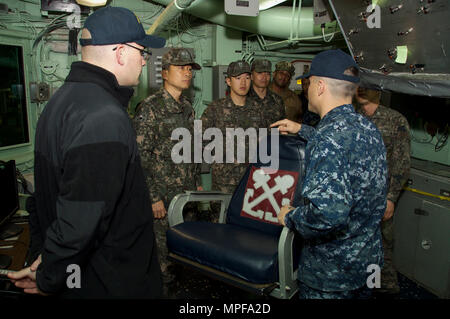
(191, 284)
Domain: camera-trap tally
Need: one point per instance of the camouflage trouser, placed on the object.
(389, 278)
(160, 228)
(215, 206)
(306, 292)
(215, 212)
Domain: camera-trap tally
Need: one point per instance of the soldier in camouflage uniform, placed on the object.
(395, 131)
(271, 104)
(344, 189)
(280, 85)
(156, 117)
(233, 111)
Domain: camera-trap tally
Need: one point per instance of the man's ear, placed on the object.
(164, 74)
(120, 56)
(321, 85)
(228, 80)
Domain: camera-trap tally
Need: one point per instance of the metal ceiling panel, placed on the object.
(397, 41)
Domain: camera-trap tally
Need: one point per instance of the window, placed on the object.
(13, 108)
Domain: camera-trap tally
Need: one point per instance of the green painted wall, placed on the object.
(213, 45)
(426, 147)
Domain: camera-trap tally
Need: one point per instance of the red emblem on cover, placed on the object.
(266, 192)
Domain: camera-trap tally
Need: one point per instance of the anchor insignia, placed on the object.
(266, 205)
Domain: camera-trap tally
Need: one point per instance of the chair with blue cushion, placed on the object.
(247, 248)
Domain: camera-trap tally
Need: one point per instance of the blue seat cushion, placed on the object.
(239, 251)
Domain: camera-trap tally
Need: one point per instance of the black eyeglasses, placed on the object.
(144, 52)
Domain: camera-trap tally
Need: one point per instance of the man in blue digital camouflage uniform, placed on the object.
(344, 190)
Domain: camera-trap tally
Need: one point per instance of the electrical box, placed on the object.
(154, 68)
(322, 12)
(242, 7)
(421, 229)
(39, 92)
(301, 67)
(219, 85)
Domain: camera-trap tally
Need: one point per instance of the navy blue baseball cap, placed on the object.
(332, 64)
(114, 25)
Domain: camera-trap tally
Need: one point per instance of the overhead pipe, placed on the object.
(276, 22)
(284, 55)
(174, 8)
(291, 36)
(267, 4)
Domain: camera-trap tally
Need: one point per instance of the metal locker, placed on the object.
(422, 232)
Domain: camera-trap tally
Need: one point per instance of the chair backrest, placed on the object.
(262, 192)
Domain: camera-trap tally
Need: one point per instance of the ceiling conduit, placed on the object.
(174, 8)
(276, 22)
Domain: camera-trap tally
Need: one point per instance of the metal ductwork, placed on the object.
(267, 4)
(278, 22)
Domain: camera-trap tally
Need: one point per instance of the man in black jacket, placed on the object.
(93, 227)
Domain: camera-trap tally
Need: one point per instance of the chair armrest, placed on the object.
(175, 211)
(287, 275)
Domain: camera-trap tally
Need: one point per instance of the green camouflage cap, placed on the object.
(237, 68)
(179, 56)
(261, 65)
(285, 66)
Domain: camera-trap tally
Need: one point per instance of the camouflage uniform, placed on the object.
(155, 119)
(344, 194)
(292, 103)
(272, 105)
(224, 114)
(395, 131)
